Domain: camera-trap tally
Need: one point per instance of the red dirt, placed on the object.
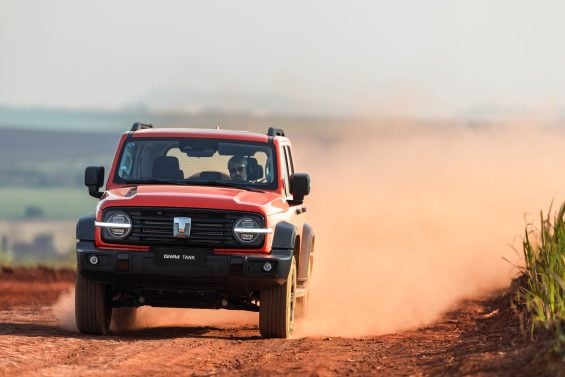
(480, 337)
(37, 286)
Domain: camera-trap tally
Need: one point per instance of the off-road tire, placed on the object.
(92, 306)
(302, 306)
(276, 312)
(303, 302)
(123, 319)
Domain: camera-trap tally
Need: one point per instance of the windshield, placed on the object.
(197, 161)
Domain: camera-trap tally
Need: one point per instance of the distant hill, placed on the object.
(121, 120)
(39, 158)
(51, 147)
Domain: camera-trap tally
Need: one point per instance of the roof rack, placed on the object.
(140, 126)
(275, 131)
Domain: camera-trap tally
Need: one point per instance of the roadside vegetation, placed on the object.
(543, 289)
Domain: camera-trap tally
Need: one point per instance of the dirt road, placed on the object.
(480, 337)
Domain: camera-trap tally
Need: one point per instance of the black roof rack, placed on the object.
(275, 131)
(140, 126)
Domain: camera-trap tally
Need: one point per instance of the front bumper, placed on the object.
(230, 281)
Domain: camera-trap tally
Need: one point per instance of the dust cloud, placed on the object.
(64, 310)
(409, 219)
(148, 317)
(413, 219)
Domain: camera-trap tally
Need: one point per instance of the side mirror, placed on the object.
(299, 187)
(94, 179)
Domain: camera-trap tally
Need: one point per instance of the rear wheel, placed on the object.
(92, 306)
(302, 302)
(302, 306)
(123, 319)
(276, 313)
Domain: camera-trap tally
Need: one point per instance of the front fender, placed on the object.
(85, 228)
(285, 237)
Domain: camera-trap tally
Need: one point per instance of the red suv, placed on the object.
(195, 218)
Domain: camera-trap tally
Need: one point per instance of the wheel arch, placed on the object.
(305, 258)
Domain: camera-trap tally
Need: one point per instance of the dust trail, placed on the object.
(151, 317)
(64, 310)
(147, 317)
(409, 221)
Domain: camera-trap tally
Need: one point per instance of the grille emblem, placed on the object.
(181, 227)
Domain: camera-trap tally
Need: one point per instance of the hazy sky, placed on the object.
(408, 57)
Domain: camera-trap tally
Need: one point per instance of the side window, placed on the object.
(125, 170)
(286, 176)
(287, 170)
(289, 159)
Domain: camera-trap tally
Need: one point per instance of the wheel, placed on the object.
(303, 301)
(276, 312)
(123, 319)
(302, 306)
(92, 306)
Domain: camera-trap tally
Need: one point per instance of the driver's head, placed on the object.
(237, 166)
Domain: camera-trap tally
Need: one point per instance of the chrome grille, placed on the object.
(210, 228)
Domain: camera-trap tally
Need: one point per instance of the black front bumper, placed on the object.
(230, 281)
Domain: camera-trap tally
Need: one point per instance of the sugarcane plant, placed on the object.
(544, 291)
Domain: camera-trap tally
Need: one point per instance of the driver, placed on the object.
(237, 165)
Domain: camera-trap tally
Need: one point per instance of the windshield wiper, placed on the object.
(195, 183)
(223, 184)
(157, 180)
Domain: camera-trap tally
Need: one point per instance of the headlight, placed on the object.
(243, 230)
(248, 230)
(120, 218)
(117, 225)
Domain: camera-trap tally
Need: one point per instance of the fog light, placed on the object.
(267, 267)
(93, 259)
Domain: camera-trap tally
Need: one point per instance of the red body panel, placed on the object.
(272, 205)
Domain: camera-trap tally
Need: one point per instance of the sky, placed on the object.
(416, 58)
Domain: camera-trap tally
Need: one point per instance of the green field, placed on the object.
(53, 203)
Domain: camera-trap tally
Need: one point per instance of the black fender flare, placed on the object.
(285, 237)
(283, 246)
(306, 256)
(85, 228)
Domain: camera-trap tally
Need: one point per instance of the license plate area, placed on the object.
(179, 257)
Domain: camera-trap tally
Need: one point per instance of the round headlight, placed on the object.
(119, 218)
(241, 225)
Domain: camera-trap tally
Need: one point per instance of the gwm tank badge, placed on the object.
(181, 227)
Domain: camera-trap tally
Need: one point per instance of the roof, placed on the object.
(200, 133)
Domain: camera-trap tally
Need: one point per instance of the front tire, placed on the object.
(92, 306)
(276, 312)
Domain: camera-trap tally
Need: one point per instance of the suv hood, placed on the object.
(267, 202)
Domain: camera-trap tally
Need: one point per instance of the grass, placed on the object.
(49, 203)
(544, 290)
